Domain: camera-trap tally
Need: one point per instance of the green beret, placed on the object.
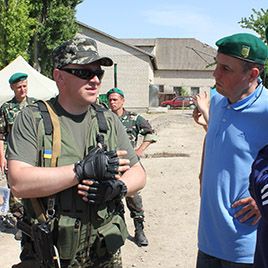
(16, 77)
(115, 90)
(244, 46)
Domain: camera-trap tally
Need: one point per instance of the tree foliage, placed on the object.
(258, 21)
(16, 29)
(55, 24)
(33, 28)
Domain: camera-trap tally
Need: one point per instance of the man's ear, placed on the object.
(254, 73)
(56, 75)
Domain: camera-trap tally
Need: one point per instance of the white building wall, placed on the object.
(186, 79)
(134, 70)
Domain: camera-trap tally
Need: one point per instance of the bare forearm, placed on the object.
(27, 181)
(134, 178)
(142, 147)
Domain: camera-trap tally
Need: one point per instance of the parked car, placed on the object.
(178, 102)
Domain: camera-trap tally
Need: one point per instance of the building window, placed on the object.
(195, 90)
(161, 88)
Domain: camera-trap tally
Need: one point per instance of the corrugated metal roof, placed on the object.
(179, 53)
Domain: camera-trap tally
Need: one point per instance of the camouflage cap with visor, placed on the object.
(79, 50)
(244, 46)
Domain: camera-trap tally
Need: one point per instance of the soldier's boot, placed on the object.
(140, 237)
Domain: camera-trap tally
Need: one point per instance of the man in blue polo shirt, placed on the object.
(236, 132)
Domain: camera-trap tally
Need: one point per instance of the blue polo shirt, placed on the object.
(235, 134)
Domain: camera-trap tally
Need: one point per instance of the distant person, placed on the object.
(8, 113)
(135, 125)
(236, 132)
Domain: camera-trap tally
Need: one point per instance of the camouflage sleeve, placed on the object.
(3, 125)
(124, 142)
(145, 129)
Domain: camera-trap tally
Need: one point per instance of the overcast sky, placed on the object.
(206, 21)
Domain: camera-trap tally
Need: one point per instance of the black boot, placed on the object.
(140, 237)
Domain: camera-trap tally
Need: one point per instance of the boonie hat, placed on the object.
(115, 90)
(244, 46)
(16, 77)
(79, 50)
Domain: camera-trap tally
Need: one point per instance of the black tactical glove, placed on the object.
(101, 192)
(98, 164)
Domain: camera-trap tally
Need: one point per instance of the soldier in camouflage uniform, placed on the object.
(85, 225)
(8, 113)
(135, 125)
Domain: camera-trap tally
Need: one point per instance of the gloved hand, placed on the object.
(101, 192)
(98, 164)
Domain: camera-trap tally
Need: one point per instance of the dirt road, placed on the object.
(171, 198)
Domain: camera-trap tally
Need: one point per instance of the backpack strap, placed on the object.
(56, 135)
(103, 126)
(46, 117)
(52, 127)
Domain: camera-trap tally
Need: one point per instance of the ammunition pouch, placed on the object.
(68, 237)
(110, 237)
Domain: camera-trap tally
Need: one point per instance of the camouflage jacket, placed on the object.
(8, 112)
(136, 125)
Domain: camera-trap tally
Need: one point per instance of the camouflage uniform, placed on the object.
(136, 125)
(8, 113)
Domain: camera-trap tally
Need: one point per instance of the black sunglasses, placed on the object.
(84, 73)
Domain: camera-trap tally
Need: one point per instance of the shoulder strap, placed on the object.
(103, 126)
(52, 126)
(56, 135)
(46, 117)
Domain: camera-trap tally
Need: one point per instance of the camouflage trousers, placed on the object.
(15, 204)
(134, 204)
(112, 261)
(81, 259)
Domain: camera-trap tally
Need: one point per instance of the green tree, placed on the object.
(33, 28)
(16, 29)
(258, 21)
(55, 24)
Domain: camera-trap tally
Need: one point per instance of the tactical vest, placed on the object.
(84, 231)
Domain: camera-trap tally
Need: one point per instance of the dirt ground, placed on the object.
(170, 197)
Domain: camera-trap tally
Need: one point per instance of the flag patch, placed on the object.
(47, 154)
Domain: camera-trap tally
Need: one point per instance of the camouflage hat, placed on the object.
(244, 46)
(115, 90)
(79, 50)
(16, 77)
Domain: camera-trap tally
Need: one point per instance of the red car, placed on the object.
(178, 102)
